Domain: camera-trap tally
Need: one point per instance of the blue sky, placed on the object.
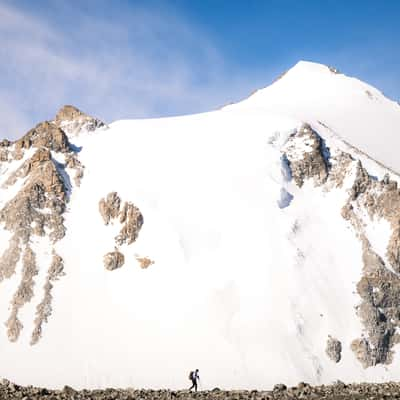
(136, 59)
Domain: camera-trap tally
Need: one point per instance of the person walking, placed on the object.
(194, 377)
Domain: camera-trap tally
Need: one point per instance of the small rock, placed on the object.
(69, 390)
(280, 387)
(114, 260)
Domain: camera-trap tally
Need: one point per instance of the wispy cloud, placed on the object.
(137, 63)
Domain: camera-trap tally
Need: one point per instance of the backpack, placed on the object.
(191, 373)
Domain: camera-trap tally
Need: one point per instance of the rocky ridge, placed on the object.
(368, 200)
(36, 172)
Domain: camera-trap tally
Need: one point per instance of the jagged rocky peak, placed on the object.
(45, 134)
(72, 120)
(69, 113)
(53, 135)
(39, 170)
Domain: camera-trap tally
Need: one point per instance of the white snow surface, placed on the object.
(357, 112)
(251, 273)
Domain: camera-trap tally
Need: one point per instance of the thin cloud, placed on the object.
(139, 64)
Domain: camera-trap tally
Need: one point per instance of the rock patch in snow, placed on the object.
(333, 349)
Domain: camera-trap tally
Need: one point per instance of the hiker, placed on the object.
(194, 377)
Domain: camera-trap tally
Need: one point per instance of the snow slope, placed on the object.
(251, 273)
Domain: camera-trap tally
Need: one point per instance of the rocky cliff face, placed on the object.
(368, 201)
(37, 172)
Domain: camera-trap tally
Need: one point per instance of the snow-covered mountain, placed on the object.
(259, 243)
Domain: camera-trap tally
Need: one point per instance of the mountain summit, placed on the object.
(259, 242)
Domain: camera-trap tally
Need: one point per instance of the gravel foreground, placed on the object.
(336, 391)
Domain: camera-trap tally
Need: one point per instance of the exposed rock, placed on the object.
(379, 289)
(333, 349)
(304, 152)
(4, 150)
(23, 295)
(114, 260)
(340, 165)
(336, 391)
(10, 258)
(380, 199)
(37, 207)
(46, 134)
(68, 113)
(73, 162)
(362, 182)
(72, 120)
(109, 207)
(44, 308)
(28, 212)
(132, 220)
(38, 157)
(144, 262)
(279, 387)
(14, 326)
(78, 176)
(333, 70)
(368, 200)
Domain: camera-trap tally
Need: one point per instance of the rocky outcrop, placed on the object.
(333, 349)
(380, 200)
(72, 162)
(305, 155)
(44, 308)
(46, 163)
(109, 207)
(114, 260)
(40, 203)
(144, 262)
(112, 210)
(369, 200)
(4, 150)
(132, 220)
(40, 156)
(72, 120)
(44, 135)
(379, 289)
(23, 295)
(10, 258)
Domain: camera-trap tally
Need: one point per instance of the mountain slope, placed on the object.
(357, 112)
(258, 243)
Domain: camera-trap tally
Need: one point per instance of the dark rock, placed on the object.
(333, 349)
(69, 390)
(309, 163)
(279, 387)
